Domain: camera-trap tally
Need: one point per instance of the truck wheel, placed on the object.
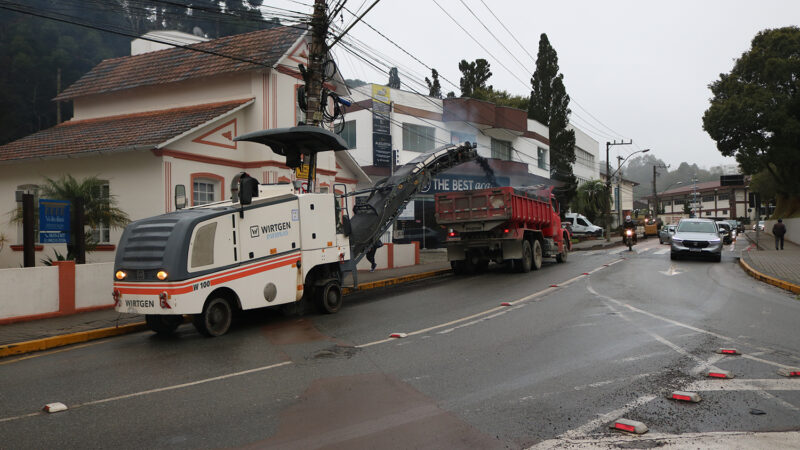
(524, 265)
(562, 257)
(162, 324)
(215, 319)
(458, 267)
(329, 297)
(537, 255)
(482, 265)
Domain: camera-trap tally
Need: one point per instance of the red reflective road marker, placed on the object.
(398, 335)
(720, 374)
(54, 407)
(505, 304)
(553, 285)
(685, 396)
(729, 351)
(586, 273)
(631, 426)
(789, 372)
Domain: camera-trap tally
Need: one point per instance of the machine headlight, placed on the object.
(162, 275)
(120, 275)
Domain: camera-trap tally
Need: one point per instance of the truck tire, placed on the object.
(562, 257)
(329, 297)
(458, 267)
(524, 264)
(215, 319)
(537, 255)
(162, 324)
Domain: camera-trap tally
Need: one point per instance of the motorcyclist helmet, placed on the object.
(628, 218)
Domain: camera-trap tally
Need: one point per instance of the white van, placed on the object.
(581, 225)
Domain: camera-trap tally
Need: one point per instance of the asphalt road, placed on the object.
(553, 368)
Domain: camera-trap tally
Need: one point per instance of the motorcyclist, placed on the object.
(629, 224)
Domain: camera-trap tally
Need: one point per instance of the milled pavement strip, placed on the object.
(162, 389)
(90, 335)
(489, 311)
(716, 440)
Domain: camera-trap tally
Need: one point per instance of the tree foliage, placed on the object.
(434, 87)
(98, 208)
(591, 199)
(474, 76)
(394, 78)
(549, 105)
(755, 110)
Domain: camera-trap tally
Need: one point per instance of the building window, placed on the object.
(101, 234)
(206, 188)
(584, 158)
(722, 197)
(348, 133)
(418, 138)
(708, 198)
(541, 154)
(501, 149)
(708, 213)
(28, 189)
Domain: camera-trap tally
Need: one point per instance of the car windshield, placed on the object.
(724, 225)
(696, 227)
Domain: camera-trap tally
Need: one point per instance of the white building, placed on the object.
(151, 122)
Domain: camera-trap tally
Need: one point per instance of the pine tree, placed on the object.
(394, 78)
(474, 76)
(434, 87)
(549, 105)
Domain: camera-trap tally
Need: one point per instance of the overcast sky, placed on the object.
(635, 69)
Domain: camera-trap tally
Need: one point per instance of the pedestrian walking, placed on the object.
(371, 254)
(779, 230)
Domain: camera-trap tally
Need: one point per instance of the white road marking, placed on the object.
(590, 385)
(777, 400)
(607, 417)
(717, 440)
(662, 251)
(753, 358)
(706, 365)
(741, 384)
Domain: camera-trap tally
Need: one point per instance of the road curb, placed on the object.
(67, 339)
(398, 280)
(91, 335)
(768, 279)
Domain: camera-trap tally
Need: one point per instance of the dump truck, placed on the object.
(517, 227)
(268, 245)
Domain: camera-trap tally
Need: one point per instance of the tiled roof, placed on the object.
(178, 64)
(113, 134)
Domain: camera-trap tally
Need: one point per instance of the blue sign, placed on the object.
(53, 221)
(53, 237)
(450, 183)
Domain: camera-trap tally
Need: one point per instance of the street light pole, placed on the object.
(608, 186)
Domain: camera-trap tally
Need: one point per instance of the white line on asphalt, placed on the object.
(662, 251)
(607, 417)
(741, 384)
(184, 385)
(777, 400)
(590, 385)
(706, 365)
(717, 440)
(9, 419)
(751, 357)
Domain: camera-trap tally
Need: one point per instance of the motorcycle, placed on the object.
(629, 237)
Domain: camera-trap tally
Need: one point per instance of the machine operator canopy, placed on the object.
(296, 141)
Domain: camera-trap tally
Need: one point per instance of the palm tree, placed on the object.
(100, 208)
(591, 199)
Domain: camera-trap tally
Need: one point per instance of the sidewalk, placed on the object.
(600, 243)
(430, 261)
(778, 267)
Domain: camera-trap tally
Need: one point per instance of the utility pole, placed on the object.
(608, 186)
(619, 188)
(313, 77)
(655, 193)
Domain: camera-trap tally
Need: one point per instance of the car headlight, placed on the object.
(714, 241)
(677, 241)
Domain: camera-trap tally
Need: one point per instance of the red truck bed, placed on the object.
(528, 209)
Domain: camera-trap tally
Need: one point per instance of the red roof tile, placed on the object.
(178, 64)
(113, 134)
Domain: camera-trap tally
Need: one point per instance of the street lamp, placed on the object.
(608, 187)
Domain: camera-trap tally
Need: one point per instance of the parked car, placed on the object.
(581, 225)
(725, 231)
(665, 233)
(696, 237)
(426, 236)
(760, 226)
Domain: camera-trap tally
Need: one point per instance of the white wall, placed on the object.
(93, 284)
(28, 291)
(792, 230)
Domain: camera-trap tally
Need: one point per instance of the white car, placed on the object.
(581, 225)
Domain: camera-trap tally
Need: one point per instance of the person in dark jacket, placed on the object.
(779, 230)
(371, 254)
